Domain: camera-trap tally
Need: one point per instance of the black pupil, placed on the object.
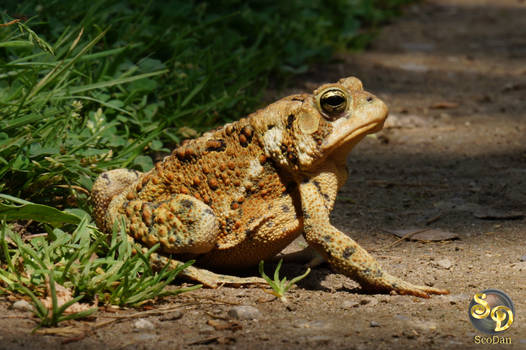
(334, 101)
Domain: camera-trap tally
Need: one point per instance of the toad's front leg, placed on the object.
(344, 254)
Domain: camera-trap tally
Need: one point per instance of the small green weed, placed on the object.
(280, 287)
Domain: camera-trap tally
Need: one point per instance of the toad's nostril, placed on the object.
(370, 99)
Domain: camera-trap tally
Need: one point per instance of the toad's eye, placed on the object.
(333, 102)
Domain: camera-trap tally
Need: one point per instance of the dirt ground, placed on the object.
(452, 156)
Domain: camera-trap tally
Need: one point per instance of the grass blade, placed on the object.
(16, 43)
(37, 212)
(40, 310)
(276, 272)
(59, 69)
(105, 84)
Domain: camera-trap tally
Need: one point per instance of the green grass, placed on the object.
(83, 260)
(87, 86)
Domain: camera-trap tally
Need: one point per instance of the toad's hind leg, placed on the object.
(181, 225)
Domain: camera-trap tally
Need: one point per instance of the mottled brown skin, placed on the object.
(242, 193)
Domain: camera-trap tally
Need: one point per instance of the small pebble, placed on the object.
(523, 258)
(374, 324)
(444, 263)
(244, 312)
(143, 324)
(22, 305)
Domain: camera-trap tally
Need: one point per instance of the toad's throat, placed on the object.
(355, 136)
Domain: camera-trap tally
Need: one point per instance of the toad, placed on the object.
(243, 192)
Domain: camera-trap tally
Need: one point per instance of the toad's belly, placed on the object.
(252, 250)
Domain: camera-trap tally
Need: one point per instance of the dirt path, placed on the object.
(454, 76)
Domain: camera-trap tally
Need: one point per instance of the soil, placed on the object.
(451, 157)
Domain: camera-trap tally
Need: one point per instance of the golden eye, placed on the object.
(333, 102)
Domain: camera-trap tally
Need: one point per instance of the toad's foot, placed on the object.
(207, 278)
(388, 283)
